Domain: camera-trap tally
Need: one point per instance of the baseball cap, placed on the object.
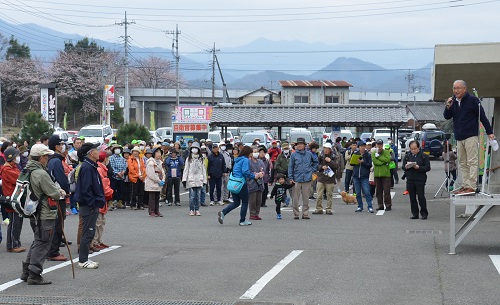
(54, 140)
(360, 143)
(10, 153)
(84, 150)
(40, 150)
(380, 141)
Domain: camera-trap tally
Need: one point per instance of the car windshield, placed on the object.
(250, 137)
(215, 137)
(306, 135)
(435, 136)
(90, 133)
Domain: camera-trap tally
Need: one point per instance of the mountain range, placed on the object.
(384, 67)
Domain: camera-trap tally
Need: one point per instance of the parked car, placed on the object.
(250, 137)
(302, 133)
(153, 137)
(432, 142)
(365, 136)
(72, 134)
(215, 136)
(96, 133)
(164, 133)
(343, 133)
(383, 136)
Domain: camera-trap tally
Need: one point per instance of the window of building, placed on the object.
(331, 100)
(301, 99)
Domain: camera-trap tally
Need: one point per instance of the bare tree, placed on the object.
(153, 72)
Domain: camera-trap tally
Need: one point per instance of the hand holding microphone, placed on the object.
(450, 101)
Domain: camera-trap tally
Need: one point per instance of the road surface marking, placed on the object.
(496, 261)
(58, 266)
(380, 213)
(266, 278)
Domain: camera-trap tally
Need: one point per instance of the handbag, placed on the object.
(234, 184)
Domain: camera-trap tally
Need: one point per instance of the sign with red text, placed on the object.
(198, 114)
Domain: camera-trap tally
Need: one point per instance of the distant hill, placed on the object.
(267, 79)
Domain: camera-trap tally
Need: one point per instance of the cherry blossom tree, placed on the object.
(152, 72)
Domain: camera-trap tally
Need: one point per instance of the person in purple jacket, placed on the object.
(465, 109)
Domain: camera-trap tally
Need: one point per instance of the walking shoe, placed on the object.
(191, 213)
(306, 217)
(359, 210)
(370, 210)
(177, 204)
(245, 223)
(278, 216)
(16, 250)
(102, 245)
(219, 203)
(6, 222)
(203, 204)
(252, 217)
(388, 209)
(414, 217)
(318, 212)
(328, 212)
(74, 211)
(380, 209)
(220, 215)
(230, 200)
(58, 258)
(197, 213)
(25, 273)
(169, 204)
(88, 265)
(159, 215)
(37, 279)
(94, 249)
(406, 192)
(120, 205)
(211, 203)
(134, 208)
(152, 214)
(296, 217)
(141, 207)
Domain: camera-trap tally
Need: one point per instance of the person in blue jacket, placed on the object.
(466, 110)
(361, 175)
(300, 169)
(174, 165)
(241, 169)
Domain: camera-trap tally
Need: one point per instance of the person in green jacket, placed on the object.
(381, 159)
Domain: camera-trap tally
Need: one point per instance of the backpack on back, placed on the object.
(23, 199)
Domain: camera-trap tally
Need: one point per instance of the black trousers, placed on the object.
(264, 195)
(57, 237)
(118, 187)
(215, 183)
(173, 189)
(417, 190)
(137, 193)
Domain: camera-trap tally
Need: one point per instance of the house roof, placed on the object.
(260, 89)
(314, 83)
(427, 112)
(303, 116)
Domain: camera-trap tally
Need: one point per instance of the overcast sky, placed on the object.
(232, 23)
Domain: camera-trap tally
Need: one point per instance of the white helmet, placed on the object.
(327, 145)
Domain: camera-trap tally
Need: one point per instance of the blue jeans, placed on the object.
(243, 197)
(203, 194)
(362, 184)
(194, 198)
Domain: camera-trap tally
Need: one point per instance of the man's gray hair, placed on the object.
(461, 82)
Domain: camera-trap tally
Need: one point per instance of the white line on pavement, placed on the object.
(58, 266)
(266, 278)
(380, 213)
(496, 261)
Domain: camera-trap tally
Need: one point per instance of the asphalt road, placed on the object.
(346, 258)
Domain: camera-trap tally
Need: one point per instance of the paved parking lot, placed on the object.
(346, 258)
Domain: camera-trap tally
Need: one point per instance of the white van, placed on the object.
(96, 133)
(164, 133)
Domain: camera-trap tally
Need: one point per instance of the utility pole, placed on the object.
(410, 77)
(126, 109)
(213, 73)
(1, 112)
(175, 44)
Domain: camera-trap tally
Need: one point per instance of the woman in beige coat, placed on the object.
(155, 180)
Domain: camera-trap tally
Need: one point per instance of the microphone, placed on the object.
(453, 99)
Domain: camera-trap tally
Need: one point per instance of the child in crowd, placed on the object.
(278, 192)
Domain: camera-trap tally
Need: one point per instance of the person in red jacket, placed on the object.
(273, 153)
(108, 195)
(10, 173)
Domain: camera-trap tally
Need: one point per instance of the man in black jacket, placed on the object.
(216, 169)
(56, 171)
(416, 165)
(89, 194)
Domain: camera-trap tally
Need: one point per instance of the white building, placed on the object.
(318, 92)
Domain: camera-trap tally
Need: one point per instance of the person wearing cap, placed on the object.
(416, 164)
(56, 170)
(155, 180)
(173, 168)
(273, 152)
(90, 196)
(348, 167)
(136, 176)
(361, 175)
(225, 178)
(119, 167)
(300, 170)
(194, 178)
(43, 223)
(216, 170)
(10, 172)
(381, 159)
(326, 179)
(108, 195)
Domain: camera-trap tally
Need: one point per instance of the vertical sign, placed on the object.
(52, 102)
(110, 94)
(44, 102)
(152, 125)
